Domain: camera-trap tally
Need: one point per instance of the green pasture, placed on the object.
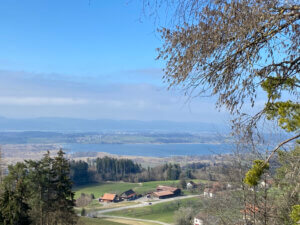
(96, 221)
(163, 212)
(118, 187)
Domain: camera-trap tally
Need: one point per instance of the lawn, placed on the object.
(99, 189)
(163, 212)
(96, 221)
(119, 187)
(95, 205)
(109, 221)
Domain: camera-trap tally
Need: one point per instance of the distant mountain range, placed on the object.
(85, 125)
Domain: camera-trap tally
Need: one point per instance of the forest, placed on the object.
(38, 192)
(113, 169)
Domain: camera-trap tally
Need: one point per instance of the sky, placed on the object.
(88, 59)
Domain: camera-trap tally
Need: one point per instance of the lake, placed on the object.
(155, 150)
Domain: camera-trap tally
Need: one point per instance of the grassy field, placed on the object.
(163, 212)
(96, 221)
(109, 221)
(118, 187)
(95, 205)
(99, 189)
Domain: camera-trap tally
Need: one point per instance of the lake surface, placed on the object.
(155, 150)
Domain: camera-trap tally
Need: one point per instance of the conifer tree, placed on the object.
(13, 201)
(42, 189)
(64, 196)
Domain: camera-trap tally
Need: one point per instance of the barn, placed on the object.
(174, 190)
(107, 197)
(166, 192)
(128, 195)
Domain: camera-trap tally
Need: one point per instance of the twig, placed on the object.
(279, 145)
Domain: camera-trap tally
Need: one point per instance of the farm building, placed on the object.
(249, 213)
(266, 184)
(200, 219)
(128, 195)
(163, 194)
(166, 192)
(191, 185)
(209, 192)
(203, 218)
(107, 197)
(174, 190)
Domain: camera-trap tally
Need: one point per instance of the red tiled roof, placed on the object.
(108, 196)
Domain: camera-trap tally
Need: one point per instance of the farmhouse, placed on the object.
(166, 192)
(107, 197)
(249, 211)
(191, 185)
(209, 192)
(128, 195)
(266, 184)
(200, 219)
(163, 194)
(176, 191)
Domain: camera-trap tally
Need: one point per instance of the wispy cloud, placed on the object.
(41, 101)
(24, 94)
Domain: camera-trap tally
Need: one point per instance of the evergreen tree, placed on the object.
(79, 172)
(42, 188)
(38, 192)
(64, 196)
(182, 183)
(13, 201)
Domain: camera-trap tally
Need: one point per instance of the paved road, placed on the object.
(135, 219)
(142, 204)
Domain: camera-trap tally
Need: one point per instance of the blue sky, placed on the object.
(66, 58)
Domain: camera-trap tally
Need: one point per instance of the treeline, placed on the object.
(38, 192)
(116, 169)
(112, 169)
(163, 172)
(103, 169)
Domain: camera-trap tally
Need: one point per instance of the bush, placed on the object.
(84, 200)
(83, 212)
(184, 216)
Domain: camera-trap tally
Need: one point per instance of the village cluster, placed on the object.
(163, 192)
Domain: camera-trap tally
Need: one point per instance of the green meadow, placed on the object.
(96, 221)
(163, 212)
(119, 187)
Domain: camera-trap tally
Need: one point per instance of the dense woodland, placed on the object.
(38, 192)
(113, 169)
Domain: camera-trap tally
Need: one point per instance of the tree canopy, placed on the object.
(235, 49)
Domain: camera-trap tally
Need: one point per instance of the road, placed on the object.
(101, 213)
(142, 204)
